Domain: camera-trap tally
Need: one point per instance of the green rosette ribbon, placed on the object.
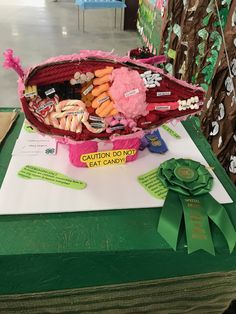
(189, 184)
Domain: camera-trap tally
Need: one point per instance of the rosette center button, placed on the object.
(185, 174)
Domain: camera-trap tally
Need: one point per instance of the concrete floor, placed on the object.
(39, 29)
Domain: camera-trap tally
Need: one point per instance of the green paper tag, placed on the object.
(171, 54)
(170, 131)
(152, 184)
(204, 86)
(203, 33)
(169, 68)
(28, 128)
(38, 173)
(177, 30)
(206, 19)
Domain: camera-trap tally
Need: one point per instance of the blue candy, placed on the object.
(156, 144)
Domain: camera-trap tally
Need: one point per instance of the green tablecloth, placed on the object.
(40, 253)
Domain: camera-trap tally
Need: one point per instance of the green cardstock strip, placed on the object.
(170, 131)
(28, 128)
(39, 173)
(152, 184)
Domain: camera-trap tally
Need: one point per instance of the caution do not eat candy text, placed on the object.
(107, 158)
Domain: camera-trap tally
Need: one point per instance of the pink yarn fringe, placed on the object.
(12, 62)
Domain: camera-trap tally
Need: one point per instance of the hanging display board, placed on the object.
(192, 38)
(219, 120)
(199, 40)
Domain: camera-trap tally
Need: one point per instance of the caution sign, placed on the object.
(107, 158)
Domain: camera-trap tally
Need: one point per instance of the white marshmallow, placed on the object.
(188, 102)
(77, 75)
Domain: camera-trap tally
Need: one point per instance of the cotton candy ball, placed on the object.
(128, 92)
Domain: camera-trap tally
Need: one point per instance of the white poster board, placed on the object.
(111, 187)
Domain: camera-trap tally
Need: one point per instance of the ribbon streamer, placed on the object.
(189, 184)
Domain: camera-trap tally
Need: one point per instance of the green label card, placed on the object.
(152, 184)
(171, 54)
(28, 128)
(38, 173)
(170, 131)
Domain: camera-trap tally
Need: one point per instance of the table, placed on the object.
(111, 261)
(100, 4)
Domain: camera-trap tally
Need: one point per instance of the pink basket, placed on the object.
(151, 106)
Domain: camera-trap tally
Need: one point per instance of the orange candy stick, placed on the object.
(96, 102)
(102, 72)
(100, 89)
(102, 80)
(105, 109)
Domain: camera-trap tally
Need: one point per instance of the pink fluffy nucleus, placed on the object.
(128, 92)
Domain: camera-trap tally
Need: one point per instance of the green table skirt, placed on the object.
(74, 252)
(199, 294)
